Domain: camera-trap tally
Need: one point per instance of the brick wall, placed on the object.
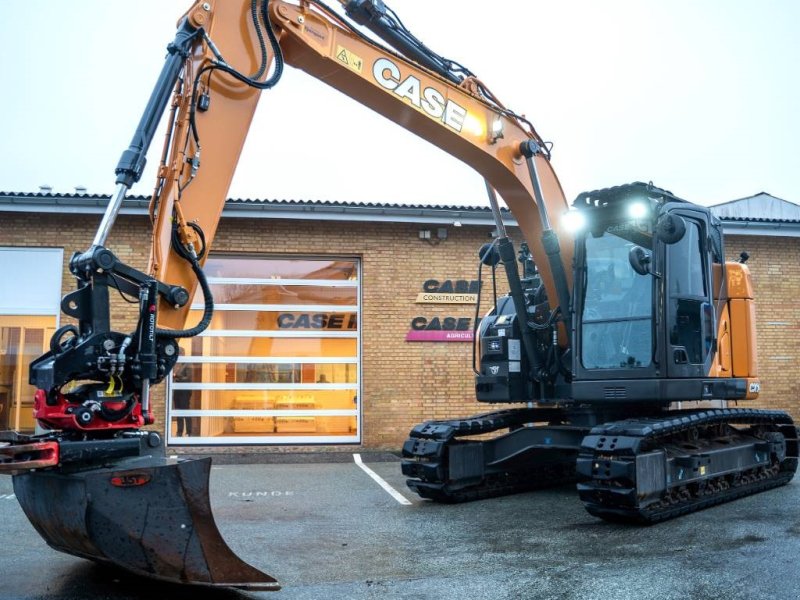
(403, 383)
(406, 383)
(775, 267)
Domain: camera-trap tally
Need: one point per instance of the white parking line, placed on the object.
(381, 482)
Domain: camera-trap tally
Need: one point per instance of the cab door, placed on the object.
(689, 309)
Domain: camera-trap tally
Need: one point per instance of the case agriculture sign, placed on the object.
(440, 329)
(444, 328)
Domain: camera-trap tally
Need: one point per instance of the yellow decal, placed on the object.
(344, 55)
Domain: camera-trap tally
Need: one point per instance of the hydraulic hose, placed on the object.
(222, 65)
(208, 307)
(476, 322)
(487, 254)
(112, 416)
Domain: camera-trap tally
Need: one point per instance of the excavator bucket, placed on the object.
(148, 515)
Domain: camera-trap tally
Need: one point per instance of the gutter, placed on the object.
(761, 228)
(244, 209)
(318, 211)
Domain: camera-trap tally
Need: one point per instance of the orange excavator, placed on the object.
(625, 307)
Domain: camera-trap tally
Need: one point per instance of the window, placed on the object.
(29, 312)
(690, 313)
(618, 302)
(279, 363)
(686, 260)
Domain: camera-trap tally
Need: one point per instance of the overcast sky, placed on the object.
(698, 96)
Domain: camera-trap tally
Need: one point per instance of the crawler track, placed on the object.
(650, 470)
(641, 470)
(446, 468)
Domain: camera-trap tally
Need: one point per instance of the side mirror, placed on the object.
(670, 228)
(640, 260)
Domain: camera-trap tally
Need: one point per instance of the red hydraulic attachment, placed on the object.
(21, 457)
(64, 415)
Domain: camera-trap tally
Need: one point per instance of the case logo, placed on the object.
(429, 100)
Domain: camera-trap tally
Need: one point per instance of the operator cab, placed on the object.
(643, 297)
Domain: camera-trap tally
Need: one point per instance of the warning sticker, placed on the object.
(351, 60)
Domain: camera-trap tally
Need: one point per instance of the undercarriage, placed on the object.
(643, 470)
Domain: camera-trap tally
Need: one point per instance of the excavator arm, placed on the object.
(93, 387)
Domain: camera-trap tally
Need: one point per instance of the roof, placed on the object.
(762, 207)
(761, 214)
(323, 210)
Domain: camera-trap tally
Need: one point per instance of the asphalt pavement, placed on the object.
(331, 531)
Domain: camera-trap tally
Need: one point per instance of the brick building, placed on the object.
(319, 309)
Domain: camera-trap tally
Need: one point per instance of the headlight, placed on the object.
(638, 210)
(497, 129)
(573, 220)
(474, 125)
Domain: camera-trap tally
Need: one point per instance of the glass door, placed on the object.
(22, 339)
(29, 313)
(279, 363)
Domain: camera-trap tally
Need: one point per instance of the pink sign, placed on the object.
(436, 335)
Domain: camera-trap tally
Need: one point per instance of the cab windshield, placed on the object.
(617, 317)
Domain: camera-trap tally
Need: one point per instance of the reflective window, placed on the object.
(690, 314)
(618, 302)
(279, 363)
(280, 320)
(22, 339)
(686, 264)
(29, 313)
(283, 269)
(233, 293)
